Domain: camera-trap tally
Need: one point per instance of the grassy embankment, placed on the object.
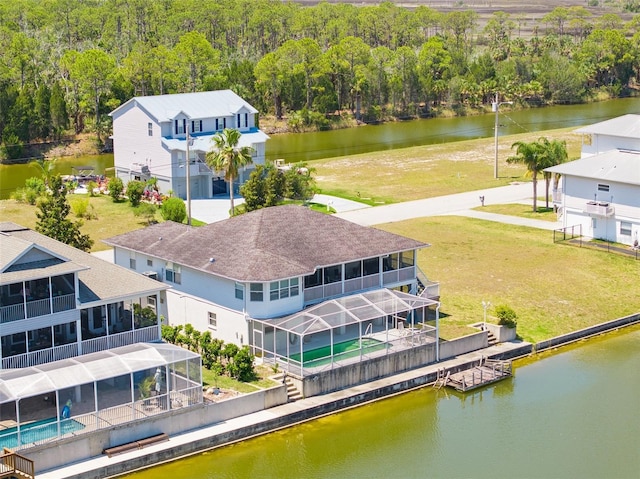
(553, 288)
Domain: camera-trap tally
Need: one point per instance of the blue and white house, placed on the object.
(153, 134)
(599, 194)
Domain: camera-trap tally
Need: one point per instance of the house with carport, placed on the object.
(599, 195)
(153, 135)
(308, 292)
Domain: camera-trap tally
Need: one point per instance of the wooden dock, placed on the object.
(14, 465)
(487, 372)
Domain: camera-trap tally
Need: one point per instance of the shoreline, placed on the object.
(286, 415)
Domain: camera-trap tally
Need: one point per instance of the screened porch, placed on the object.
(96, 391)
(345, 330)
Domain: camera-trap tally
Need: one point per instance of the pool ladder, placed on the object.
(368, 331)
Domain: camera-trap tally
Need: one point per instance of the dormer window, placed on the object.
(180, 126)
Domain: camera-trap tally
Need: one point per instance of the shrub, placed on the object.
(506, 316)
(79, 207)
(173, 209)
(135, 190)
(91, 187)
(116, 187)
(147, 211)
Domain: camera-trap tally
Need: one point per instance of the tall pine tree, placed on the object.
(52, 217)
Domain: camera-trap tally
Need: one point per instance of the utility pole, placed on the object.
(188, 177)
(495, 106)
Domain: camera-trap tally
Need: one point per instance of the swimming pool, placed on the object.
(344, 350)
(37, 431)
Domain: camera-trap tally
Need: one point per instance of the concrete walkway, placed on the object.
(459, 204)
(93, 467)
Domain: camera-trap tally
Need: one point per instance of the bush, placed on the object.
(79, 206)
(173, 209)
(506, 316)
(135, 190)
(147, 211)
(116, 187)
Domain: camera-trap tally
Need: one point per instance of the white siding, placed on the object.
(133, 145)
(602, 143)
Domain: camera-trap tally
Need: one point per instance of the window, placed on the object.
(390, 263)
(173, 273)
(149, 262)
(407, 259)
(602, 187)
(132, 260)
(255, 292)
(196, 126)
(239, 291)
(332, 274)
(151, 302)
(180, 126)
(353, 270)
(625, 228)
(213, 321)
(284, 289)
(371, 266)
(150, 128)
(314, 279)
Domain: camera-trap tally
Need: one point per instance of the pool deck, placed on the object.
(280, 417)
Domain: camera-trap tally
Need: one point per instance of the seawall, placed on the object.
(286, 415)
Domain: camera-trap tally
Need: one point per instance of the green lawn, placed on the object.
(553, 288)
(524, 211)
(406, 174)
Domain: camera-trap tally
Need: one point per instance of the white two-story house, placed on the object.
(150, 139)
(241, 277)
(599, 194)
(79, 339)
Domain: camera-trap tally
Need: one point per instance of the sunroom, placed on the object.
(345, 330)
(74, 396)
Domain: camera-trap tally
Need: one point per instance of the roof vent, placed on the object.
(211, 260)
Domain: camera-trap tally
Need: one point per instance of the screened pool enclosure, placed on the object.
(42, 403)
(345, 330)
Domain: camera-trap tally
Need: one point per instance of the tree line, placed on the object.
(67, 63)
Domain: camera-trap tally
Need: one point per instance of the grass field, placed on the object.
(406, 174)
(553, 288)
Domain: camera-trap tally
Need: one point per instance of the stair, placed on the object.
(492, 339)
(292, 392)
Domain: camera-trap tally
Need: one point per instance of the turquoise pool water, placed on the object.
(37, 431)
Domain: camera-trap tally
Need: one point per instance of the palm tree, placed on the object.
(529, 154)
(228, 157)
(554, 152)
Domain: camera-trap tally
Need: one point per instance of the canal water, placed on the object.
(295, 147)
(571, 413)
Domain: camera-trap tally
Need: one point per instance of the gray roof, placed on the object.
(625, 126)
(203, 142)
(206, 104)
(621, 166)
(99, 280)
(265, 245)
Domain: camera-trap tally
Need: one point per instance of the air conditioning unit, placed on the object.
(151, 274)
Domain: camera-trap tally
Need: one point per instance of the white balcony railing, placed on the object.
(143, 335)
(599, 208)
(40, 307)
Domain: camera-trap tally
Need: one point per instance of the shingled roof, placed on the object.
(264, 245)
(98, 279)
